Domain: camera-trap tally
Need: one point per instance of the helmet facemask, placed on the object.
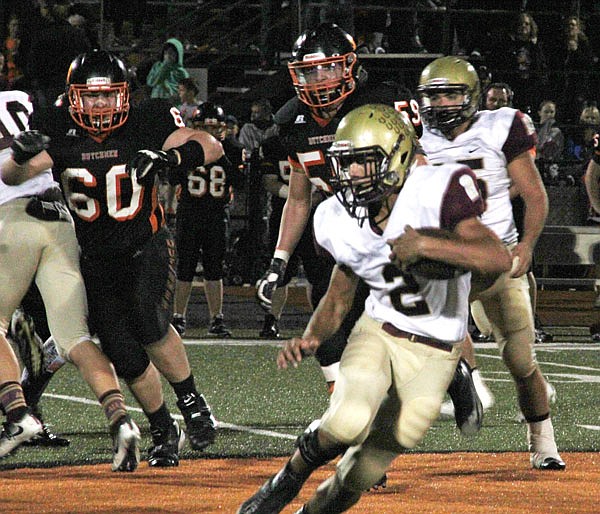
(323, 82)
(445, 117)
(380, 178)
(448, 75)
(99, 121)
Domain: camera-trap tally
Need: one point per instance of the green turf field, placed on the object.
(261, 409)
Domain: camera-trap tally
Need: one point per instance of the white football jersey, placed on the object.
(432, 196)
(15, 109)
(490, 143)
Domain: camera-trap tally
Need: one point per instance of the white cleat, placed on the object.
(15, 434)
(126, 446)
(485, 396)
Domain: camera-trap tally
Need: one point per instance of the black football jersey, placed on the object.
(306, 139)
(113, 213)
(209, 186)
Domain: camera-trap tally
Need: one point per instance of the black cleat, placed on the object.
(468, 410)
(274, 494)
(270, 329)
(28, 343)
(552, 464)
(380, 484)
(166, 446)
(200, 423)
(218, 328)
(178, 323)
(48, 439)
(480, 337)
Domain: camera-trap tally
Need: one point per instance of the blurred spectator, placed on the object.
(340, 12)
(574, 60)
(550, 143)
(164, 76)
(260, 127)
(498, 94)
(11, 50)
(54, 43)
(187, 91)
(520, 61)
(232, 132)
(580, 144)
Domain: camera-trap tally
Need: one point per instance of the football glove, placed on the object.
(147, 163)
(266, 285)
(28, 144)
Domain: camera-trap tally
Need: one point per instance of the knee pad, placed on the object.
(312, 452)
(128, 365)
(416, 416)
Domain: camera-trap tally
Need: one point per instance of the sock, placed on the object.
(161, 418)
(13, 401)
(185, 387)
(113, 405)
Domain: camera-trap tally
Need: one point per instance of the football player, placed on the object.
(496, 145)
(204, 197)
(329, 83)
(38, 241)
(275, 173)
(404, 349)
(106, 155)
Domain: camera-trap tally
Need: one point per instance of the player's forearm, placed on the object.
(536, 212)
(293, 222)
(333, 307)
(592, 184)
(14, 174)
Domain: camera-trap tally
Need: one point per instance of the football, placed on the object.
(431, 269)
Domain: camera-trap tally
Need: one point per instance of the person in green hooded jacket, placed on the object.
(164, 76)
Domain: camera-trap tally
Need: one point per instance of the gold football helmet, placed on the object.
(383, 142)
(448, 75)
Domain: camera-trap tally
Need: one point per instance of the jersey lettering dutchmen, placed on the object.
(113, 214)
(432, 196)
(493, 140)
(306, 139)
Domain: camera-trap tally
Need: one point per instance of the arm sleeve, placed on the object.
(462, 200)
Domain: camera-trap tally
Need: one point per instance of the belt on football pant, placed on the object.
(414, 338)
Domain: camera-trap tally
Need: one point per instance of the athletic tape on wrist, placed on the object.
(281, 254)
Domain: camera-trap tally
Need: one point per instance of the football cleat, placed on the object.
(126, 445)
(270, 329)
(200, 423)
(480, 337)
(218, 328)
(15, 434)
(468, 409)
(178, 323)
(542, 447)
(48, 439)
(547, 463)
(274, 494)
(167, 443)
(27, 342)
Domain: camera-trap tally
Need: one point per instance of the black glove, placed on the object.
(147, 163)
(28, 144)
(266, 285)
